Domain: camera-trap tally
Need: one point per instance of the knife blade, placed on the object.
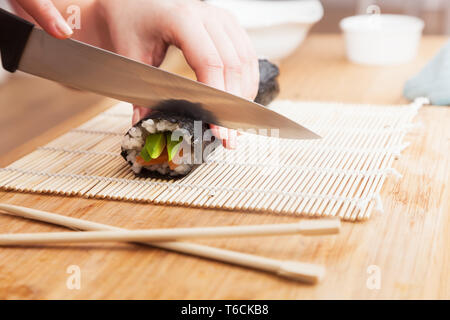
(85, 67)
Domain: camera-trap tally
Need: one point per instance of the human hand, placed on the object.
(433, 80)
(47, 16)
(215, 46)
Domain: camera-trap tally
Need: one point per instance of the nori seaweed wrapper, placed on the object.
(268, 83)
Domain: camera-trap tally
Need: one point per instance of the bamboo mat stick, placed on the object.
(318, 227)
(305, 272)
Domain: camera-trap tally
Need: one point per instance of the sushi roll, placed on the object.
(170, 144)
(268, 82)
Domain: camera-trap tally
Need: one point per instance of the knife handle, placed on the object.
(14, 34)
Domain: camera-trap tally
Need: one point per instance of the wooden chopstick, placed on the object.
(305, 272)
(154, 235)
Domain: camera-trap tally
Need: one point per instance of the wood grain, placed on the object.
(30, 106)
(410, 242)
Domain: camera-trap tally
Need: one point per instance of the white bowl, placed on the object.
(385, 39)
(276, 28)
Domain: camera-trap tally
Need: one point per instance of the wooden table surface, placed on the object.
(409, 244)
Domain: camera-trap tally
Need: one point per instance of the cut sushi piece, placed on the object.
(170, 142)
(164, 145)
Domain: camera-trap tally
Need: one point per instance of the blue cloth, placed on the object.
(433, 81)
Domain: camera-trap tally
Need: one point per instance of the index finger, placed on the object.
(200, 52)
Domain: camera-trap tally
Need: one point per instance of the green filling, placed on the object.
(172, 146)
(145, 155)
(154, 146)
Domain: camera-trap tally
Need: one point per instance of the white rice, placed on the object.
(130, 143)
(149, 125)
(134, 141)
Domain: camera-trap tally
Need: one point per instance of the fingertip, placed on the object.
(144, 112)
(63, 29)
(225, 144)
(214, 130)
(136, 116)
(140, 113)
(232, 139)
(219, 132)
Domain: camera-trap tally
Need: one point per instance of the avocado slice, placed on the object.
(145, 155)
(172, 145)
(154, 144)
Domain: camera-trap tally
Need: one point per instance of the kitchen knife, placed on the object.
(82, 66)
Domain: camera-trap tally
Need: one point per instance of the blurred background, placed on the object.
(435, 13)
(30, 106)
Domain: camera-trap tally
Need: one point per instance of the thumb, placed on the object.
(47, 16)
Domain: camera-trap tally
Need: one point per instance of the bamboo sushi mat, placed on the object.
(338, 175)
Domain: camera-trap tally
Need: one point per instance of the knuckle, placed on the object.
(183, 9)
(228, 15)
(234, 67)
(45, 7)
(213, 15)
(212, 61)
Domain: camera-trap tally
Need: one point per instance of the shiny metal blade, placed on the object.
(85, 67)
